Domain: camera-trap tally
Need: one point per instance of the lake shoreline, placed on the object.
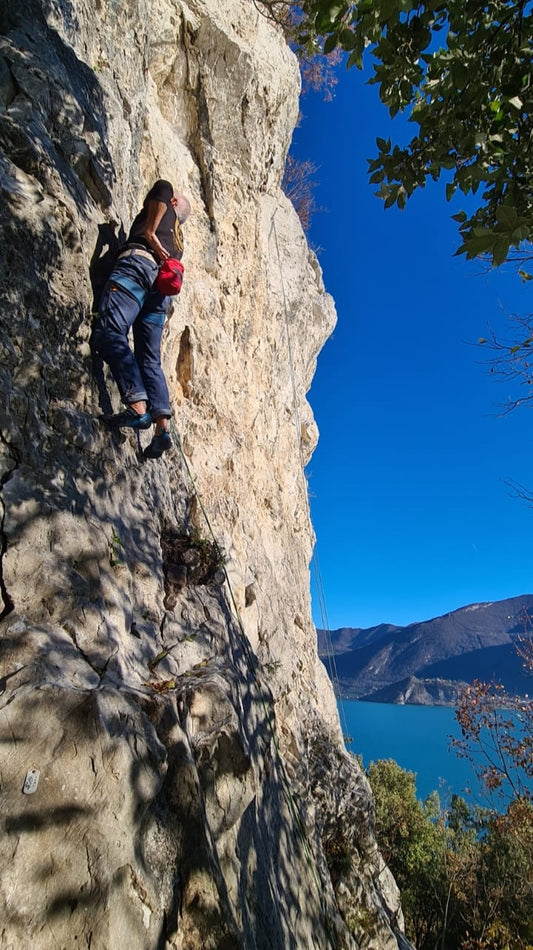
(419, 739)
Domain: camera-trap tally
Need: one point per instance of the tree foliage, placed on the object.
(461, 71)
(466, 878)
(497, 729)
(411, 845)
(500, 727)
(318, 71)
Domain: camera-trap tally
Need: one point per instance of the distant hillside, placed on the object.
(429, 662)
(417, 692)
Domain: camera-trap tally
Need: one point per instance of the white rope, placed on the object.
(315, 566)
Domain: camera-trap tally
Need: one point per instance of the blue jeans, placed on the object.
(130, 299)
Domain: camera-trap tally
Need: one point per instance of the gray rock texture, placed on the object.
(172, 772)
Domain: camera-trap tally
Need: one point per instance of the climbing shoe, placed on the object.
(159, 444)
(130, 419)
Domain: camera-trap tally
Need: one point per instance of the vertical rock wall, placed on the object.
(172, 769)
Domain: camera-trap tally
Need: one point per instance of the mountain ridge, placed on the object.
(475, 641)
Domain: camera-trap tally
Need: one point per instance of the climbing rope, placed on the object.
(315, 566)
(285, 782)
(331, 663)
(252, 666)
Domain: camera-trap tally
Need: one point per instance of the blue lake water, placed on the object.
(417, 738)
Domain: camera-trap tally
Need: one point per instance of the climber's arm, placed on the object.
(155, 212)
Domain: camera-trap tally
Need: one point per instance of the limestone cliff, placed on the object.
(172, 770)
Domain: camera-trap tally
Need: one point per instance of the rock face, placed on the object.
(173, 773)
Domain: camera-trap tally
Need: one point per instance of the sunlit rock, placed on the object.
(173, 772)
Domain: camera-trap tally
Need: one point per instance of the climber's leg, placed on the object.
(122, 300)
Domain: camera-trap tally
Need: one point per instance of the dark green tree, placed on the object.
(461, 70)
(411, 844)
(465, 876)
(508, 867)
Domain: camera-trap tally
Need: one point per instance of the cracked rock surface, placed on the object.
(173, 773)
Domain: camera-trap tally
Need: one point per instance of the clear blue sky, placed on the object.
(408, 484)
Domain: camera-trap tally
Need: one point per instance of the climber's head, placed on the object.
(181, 206)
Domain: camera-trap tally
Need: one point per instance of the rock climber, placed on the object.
(131, 299)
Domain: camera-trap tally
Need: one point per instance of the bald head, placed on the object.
(182, 207)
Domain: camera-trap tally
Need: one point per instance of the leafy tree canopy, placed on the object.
(465, 876)
(461, 71)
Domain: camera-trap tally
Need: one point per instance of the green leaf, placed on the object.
(506, 217)
(500, 251)
(325, 19)
(383, 144)
(348, 39)
(522, 233)
(355, 59)
(479, 244)
(331, 43)
(157, 659)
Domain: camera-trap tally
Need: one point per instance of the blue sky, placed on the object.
(408, 485)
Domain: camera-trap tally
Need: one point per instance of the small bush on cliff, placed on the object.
(319, 73)
(299, 187)
(338, 853)
(318, 69)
